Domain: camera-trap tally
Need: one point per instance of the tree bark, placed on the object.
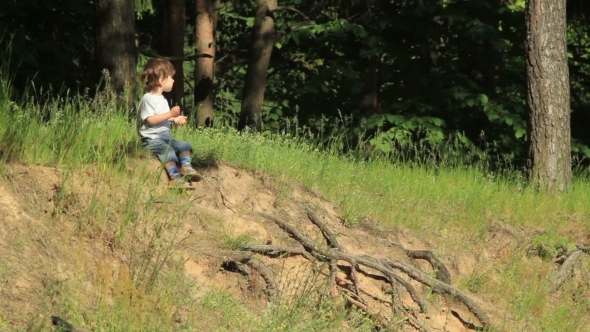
(173, 46)
(263, 40)
(548, 95)
(115, 42)
(204, 66)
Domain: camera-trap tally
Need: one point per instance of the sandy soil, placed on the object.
(44, 237)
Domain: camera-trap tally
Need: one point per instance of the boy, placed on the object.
(156, 115)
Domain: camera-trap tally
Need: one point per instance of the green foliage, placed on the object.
(236, 242)
(517, 5)
(548, 246)
(144, 6)
(312, 71)
(476, 281)
(444, 72)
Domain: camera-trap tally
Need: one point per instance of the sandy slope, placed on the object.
(48, 234)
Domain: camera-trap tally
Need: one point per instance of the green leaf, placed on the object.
(436, 134)
(250, 22)
(437, 121)
(483, 99)
(278, 45)
(395, 119)
(384, 147)
(493, 116)
(520, 132)
(409, 125)
(375, 121)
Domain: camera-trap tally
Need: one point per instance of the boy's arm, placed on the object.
(155, 119)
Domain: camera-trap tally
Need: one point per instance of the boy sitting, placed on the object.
(156, 115)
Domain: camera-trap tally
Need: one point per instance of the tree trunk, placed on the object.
(115, 43)
(204, 66)
(263, 40)
(548, 95)
(173, 46)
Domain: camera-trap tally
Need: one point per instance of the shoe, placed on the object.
(189, 172)
(178, 182)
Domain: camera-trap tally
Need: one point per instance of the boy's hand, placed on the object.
(175, 111)
(180, 120)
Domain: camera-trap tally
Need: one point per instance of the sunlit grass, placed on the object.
(415, 196)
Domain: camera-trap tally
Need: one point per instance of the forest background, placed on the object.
(377, 75)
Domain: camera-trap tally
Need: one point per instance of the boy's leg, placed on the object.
(185, 160)
(165, 153)
(168, 157)
(184, 149)
(170, 167)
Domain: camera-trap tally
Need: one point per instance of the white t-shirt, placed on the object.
(149, 105)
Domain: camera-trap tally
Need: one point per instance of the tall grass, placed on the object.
(441, 201)
(405, 194)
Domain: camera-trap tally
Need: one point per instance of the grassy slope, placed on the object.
(451, 207)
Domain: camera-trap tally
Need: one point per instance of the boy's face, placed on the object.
(167, 83)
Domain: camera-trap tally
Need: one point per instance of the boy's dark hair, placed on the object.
(154, 70)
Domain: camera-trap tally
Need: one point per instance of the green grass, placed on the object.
(446, 204)
(415, 196)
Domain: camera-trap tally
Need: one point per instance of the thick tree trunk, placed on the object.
(548, 95)
(204, 66)
(115, 42)
(263, 40)
(173, 46)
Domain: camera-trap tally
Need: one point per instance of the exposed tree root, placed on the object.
(334, 243)
(328, 234)
(393, 272)
(440, 287)
(442, 273)
(584, 248)
(464, 322)
(376, 317)
(225, 201)
(568, 263)
(566, 269)
(246, 257)
(387, 267)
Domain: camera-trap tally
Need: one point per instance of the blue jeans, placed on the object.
(166, 150)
